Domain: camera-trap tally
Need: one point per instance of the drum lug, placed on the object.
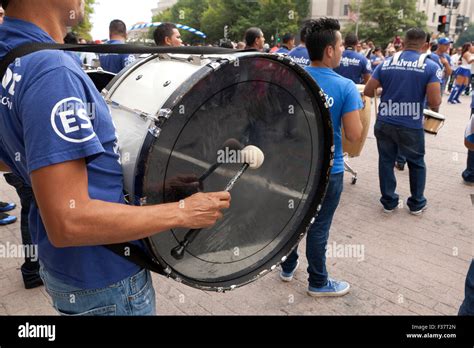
(215, 65)
(164, 113)
(155, 131)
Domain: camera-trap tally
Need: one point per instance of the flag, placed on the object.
(353, 16)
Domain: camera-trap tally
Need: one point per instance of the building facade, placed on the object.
(340, 9)
(163, 5)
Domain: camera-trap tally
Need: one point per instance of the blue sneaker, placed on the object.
(288, 277)
(6, 219)
(4, 207)
(332, 288)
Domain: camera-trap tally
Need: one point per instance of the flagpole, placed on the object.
(358, 16)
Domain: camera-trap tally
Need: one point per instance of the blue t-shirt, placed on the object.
(354, 66)
(283, 50)
(300, 56)
(375, 59)
(404, 89)
(437, 59)
(469, 135)
(342, 97)
(51, 113)
(470, 127)
(115, 63)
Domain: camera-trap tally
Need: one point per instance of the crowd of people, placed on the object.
(413, 71)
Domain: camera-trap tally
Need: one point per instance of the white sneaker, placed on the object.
(288, 277)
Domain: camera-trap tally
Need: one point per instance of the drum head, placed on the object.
(264, 101)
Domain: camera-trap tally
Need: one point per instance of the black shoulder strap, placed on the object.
(137, 255)
(28, 48)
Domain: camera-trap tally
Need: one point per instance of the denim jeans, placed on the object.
(30, 268)
(318, 234)
(467, 307)
(132, 296)
(410, 143)
(468, 174)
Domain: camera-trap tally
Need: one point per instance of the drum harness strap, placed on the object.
(129, 251)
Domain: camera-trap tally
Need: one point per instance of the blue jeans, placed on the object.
(132, 296)
(410, 143)
(468, 174)
(318, 234)
(467, 307)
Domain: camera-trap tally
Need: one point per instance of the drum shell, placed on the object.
(354, 149)
(432, 125)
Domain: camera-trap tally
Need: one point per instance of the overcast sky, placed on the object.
(130, 12)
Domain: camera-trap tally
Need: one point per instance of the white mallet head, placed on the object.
(253, 156)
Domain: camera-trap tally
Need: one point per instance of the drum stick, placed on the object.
(254, 159)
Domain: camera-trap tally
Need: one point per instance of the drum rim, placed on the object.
(434, 114)
(318, 193)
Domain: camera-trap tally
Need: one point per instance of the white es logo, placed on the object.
(10, 79)
(70, 121)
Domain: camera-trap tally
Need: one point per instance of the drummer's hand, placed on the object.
(202, 210)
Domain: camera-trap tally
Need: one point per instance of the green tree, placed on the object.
(277, 17)
(466, 36)
(187, 12)
(84, 29)
(211, 16)
(381, 20)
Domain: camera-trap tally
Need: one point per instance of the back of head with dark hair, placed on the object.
(71, 38)
(162, 32)
(287, 38)
(320, 34)
(117, 27)
(251, 35)
(415, 37)
(351, 40)
(303, 32)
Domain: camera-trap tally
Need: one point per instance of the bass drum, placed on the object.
(175, 113)
(100, 78)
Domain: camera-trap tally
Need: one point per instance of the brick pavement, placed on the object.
(411, 265)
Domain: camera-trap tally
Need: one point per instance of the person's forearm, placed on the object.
(98, 222)
(4, 167)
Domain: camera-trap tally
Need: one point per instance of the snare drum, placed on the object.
(173, 114)
(433, 121)
(354, 149)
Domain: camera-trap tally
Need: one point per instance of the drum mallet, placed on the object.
(254, 158)
(231, 144)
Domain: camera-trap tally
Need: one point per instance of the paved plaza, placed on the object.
(399, 264)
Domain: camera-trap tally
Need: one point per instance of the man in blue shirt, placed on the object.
(468, 174)
(324, 43)
(354, 66)
(467, 307)
(300, 54)
(288, 43)
(406, 81)
(443, 59)
(57, 135)
(115, 63)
